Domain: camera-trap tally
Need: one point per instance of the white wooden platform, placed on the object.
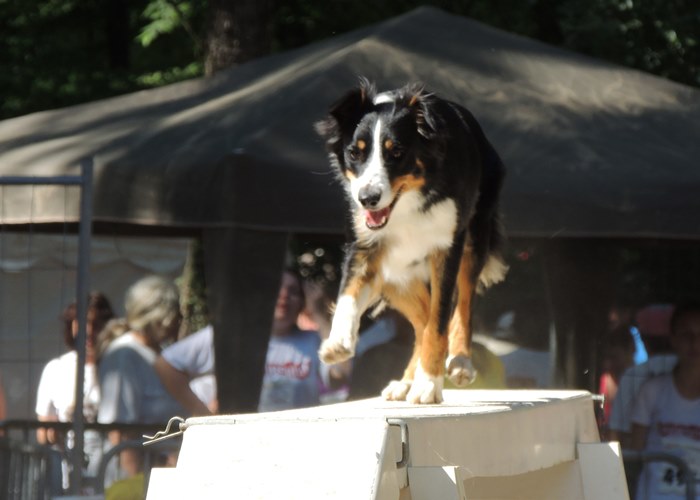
(476, 445)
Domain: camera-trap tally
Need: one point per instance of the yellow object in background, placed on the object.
(490, 371)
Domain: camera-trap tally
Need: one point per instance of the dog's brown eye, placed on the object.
(393, 148)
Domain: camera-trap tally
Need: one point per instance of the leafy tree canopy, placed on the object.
(54, 53)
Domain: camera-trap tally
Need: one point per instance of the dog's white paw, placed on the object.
(334, 351)
(340, 344)
(460, 370)
(426, 389)
(396, 390)
(426, 392)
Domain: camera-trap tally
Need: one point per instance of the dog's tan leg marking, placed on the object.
(361, 290)
(459, 366)
(414, 304)
(429, 375)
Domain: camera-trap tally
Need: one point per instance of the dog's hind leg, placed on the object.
(414, 304)
(458, 366)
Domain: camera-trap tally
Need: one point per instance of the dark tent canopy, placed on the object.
(592, 149)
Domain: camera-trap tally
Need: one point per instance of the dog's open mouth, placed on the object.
(377, 219)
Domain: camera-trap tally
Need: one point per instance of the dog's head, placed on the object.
(382, 145)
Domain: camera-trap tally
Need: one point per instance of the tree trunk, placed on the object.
(239, 30)
(118, 35)
(243, 274)
(242, 289)
(581, 280)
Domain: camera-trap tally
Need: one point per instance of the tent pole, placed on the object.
(82, 290)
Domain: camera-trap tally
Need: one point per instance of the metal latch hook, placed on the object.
(167, 433)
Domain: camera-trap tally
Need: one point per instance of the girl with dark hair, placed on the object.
(55, 400)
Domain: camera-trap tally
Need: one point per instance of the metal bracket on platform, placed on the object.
(167, 433)
(397, 422)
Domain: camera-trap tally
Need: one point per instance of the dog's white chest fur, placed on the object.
(411, 236)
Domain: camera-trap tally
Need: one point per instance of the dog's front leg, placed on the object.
(358, 291)
(413, 301)
(428, 379)
(429, 375)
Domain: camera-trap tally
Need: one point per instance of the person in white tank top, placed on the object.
(666, 415)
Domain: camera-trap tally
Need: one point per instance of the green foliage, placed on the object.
(166, 16)
(163, 17)
(170, 75)
(658, 36)
(54, 53)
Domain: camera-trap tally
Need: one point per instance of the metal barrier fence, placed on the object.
(33, 471)
(28, 471)
(84, 181)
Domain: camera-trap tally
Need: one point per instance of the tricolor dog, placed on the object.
(423, 184)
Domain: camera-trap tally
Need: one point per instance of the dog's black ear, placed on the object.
(344, 115)
(421, 102)
(346, 112)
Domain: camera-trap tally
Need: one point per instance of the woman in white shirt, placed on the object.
(55, 401)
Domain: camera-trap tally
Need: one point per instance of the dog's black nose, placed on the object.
(369, 196)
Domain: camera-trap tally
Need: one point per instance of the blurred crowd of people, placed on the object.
(653, 403)
(136, 371)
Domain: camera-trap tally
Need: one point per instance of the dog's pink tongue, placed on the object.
(376, 217)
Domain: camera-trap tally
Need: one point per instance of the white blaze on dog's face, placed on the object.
(372, 189)
(382, 164)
